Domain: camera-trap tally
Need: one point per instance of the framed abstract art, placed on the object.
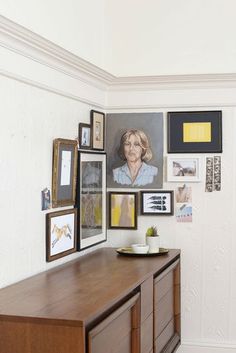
(195, 132)
(91, 199)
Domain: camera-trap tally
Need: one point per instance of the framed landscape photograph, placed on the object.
(183, 169)
(91, 199)
(195, 132)
(123, 210)
(84, 136)
(60, 234)
(156, 202)
(134, 145)
(64, 172)
(97, 121)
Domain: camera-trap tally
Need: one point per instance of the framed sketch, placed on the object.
(156, 202)
(97, 120)
(64, 172)
(84, 136)
(122, 210)
(195, 132)
(134, 145)
(183, 169)
(91, 199)
(60, 234)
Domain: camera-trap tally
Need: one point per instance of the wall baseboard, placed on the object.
(193, 347)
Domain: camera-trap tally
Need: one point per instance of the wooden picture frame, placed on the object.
(195, 132)
(61, 234)
(91, 199)
(64, 172)
(122, 210)
(84, 136)
(157, 202)
(183, 169)
(97, 121)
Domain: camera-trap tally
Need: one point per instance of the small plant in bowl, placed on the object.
(153, 239)
(152, 232)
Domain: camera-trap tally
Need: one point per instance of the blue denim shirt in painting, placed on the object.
(145, 175)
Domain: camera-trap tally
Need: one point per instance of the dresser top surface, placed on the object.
(81, 289)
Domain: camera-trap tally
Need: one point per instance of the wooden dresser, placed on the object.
(100, 303)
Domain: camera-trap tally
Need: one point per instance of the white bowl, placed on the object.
(140, 248)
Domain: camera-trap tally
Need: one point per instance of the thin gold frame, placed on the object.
(64, 195)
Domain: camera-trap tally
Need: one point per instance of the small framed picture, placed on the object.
(60, 234)
(64, 172)
(195, 132)
(84, 136)
(91, 199)
(156, 202)
(122, 210)
(98, 129)
(183, 169)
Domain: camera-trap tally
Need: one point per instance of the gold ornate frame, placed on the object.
(64, 172)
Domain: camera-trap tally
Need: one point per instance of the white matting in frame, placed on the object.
(183, 169)
(157, 202)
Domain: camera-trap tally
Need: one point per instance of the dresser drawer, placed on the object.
(163, 285)
(119, 332)
(164, 337)
(164, 312)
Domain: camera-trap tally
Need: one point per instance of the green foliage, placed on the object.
(152, 232)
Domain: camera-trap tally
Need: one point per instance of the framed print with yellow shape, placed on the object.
(122, 210)
(195, 132)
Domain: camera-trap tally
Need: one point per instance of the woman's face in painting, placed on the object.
(132, 149)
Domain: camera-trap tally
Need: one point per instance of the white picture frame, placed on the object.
(183, 169)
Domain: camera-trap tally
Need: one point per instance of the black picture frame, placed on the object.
(125, 206)
(195, 132)
(85, 136)
(91, 199)
(97, 121)
(157, 202)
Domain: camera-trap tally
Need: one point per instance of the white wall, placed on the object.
(75, 25)
(31, 118)
(45, 96)
(170, 37)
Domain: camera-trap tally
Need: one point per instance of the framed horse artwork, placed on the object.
(60, 234)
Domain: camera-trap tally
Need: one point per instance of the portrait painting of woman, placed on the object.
(135, 150)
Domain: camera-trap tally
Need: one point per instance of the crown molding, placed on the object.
(163, 82)
(21, 41)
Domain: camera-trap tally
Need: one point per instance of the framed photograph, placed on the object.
(195, 132)
(84, 136)
(97, 120)
(64, 172)
(183, 169)
(156, 202)
(122, 210)
(60, 234)
(134, 145)
(91, 199)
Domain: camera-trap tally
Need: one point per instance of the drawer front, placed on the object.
(164, 312)
(119, 332)
(164, 337)
(163, 285)
(147, 335)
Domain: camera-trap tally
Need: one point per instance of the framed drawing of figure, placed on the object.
(134, 145)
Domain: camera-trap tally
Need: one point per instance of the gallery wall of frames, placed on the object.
(125, 151)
